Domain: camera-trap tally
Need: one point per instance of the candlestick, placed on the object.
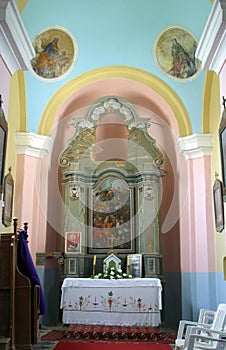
(128, 260)
(94, 264)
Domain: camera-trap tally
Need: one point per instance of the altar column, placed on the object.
(148, 226)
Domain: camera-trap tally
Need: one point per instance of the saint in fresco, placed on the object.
(54, 54)
(175, 53)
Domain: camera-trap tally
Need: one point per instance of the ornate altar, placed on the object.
(111, 184)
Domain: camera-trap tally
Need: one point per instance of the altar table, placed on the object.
(112, 302)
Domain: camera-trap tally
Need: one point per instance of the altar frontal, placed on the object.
(127, 302)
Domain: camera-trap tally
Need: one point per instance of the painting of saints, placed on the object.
(175, 53)
(111, 215)
(55, 52)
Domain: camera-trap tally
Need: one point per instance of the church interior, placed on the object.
(113, 155)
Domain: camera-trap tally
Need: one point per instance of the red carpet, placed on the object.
(92, 333)
(110, 346)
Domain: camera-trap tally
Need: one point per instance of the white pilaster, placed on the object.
(32, 144)
(16, 48)
(211, 50)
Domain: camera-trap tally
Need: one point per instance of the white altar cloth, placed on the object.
(112, 302)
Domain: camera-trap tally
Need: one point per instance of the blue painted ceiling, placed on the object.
(119, 32)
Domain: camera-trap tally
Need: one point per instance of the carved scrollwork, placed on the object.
(85, 124)
(64, 161)
(77, 147)
(83, 145)
(112, 105)
(158, 161)
(141, 124)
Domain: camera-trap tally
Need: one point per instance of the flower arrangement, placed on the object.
(112, 273)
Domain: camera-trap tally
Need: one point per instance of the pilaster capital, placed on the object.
(32, 144)
(196, 145)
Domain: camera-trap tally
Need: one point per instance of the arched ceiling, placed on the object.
(143, 90)
(121, 34)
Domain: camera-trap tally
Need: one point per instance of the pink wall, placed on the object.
(187, 224)
(197, 222)
(31, 188)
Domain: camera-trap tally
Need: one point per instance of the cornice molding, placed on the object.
(33, 145)
(195, 146)
(16, 48)
(211, 47)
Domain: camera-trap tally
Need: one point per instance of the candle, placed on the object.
(128, 262)
(94, 260)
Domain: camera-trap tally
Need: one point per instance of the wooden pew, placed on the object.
(19, 300)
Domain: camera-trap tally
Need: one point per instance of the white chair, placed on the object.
(211, 341)
(201, 337)
(205, 319)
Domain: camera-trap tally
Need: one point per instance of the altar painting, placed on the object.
(111, 216)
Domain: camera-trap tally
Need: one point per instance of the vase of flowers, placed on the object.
(112, 273)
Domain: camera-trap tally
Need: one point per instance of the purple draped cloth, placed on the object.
(27, 268)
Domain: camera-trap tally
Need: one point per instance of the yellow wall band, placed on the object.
(131, 73)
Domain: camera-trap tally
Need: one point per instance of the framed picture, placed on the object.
(8, 187)
(72, 266)
(152, 265)
(134, 265)
(73, 242)
(222, 136)
(218, 205)
(3, 143)
(111, 216)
